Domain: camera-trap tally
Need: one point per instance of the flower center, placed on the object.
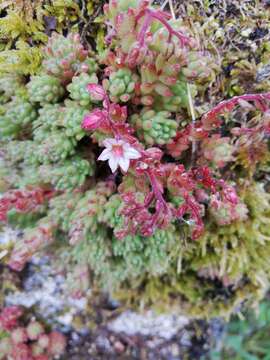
(118, 150)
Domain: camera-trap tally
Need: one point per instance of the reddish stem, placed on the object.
(152, 14)
(112, 124)
(229, 104)
(156, 190)
(146, 24)
(156, 15)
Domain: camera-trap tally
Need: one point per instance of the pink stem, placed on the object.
(262, 106)
(107, 102)
(155, 187)
(229, 104)
(146, 24)
(152, 14)
(155, 14)
(107, 107)
(149, 198)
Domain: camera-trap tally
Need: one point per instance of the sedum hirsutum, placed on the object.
(107, 156)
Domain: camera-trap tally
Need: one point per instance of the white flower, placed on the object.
(119, 153)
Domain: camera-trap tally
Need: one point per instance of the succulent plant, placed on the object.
(21, 112)
(49, 116)
(45, 89)
(199, 67)
(30, 154)
(72, 119)
(62, 206)
(179, 98)
(54, 147)
(8, 175)
(113, 8)
(78, 88)
(16, 150)
(218, 150)
(121, 85)
(43, 341)
(154, 127)
(18, 115)
(8, 129)
(112, 216)
(65, 56)
(34, 240)
(67, 175)
(92, 203)
(10, 85)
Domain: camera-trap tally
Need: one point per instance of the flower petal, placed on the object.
(108, 143)
(113, 163)
(132, 153)
(124, 164)
(105, 155)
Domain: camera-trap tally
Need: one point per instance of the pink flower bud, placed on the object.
(67, 75)
(96, 91)
(93, 120)
(84, 53)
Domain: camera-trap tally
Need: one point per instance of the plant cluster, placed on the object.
(25, 27)
(27, 342)
(110, 153)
